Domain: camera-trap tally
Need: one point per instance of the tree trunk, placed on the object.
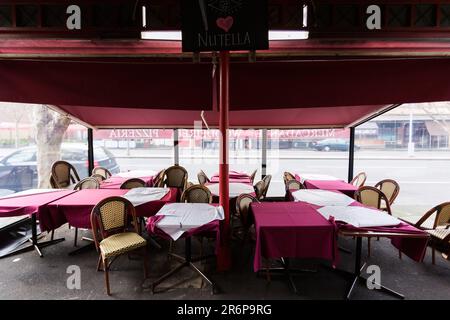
(17, 135)
(50, 128)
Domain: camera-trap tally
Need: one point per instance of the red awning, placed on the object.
(160, 87)
(261, 85)
(101, 117)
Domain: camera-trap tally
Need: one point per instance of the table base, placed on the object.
(186, 261)
(286, 271)
(356, 276)
(34, 244)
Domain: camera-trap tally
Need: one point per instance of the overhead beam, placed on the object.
(123, 19)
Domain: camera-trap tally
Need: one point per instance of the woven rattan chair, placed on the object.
(292, 185)
(287, 176)
(359, 180)
(159, 179)
(242, 209)
(86, 183)
(98, 177)
(202, 177)
(390, 188)
(113, 235)
(53, 183)
(372, 197)
(375, 198)
(436, 222)
(176, 177)
(197, 194)
(253, 175)
(64, 174)
(259, 189)
(133, 183)
(102, 171)
(266, 180)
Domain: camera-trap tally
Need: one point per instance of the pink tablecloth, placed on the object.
(31, 204)
(332, 185)
(76, 208)
(234, 176)
(115, 182)
(292, 230)
(413, 247)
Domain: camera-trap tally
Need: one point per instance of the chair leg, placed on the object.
(399, 254)
(268, 278)
(52, 235)
(99, 263)
(106, 269)
(75, 238)
(170, 247)
(433, 254)
(144, 256)
(201, 246)
(368, 247)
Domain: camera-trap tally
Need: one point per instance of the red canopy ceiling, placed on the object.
(165, 89)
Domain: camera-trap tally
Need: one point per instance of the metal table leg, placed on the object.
(356, 276)
(34, 244)
(287, 272)
(186, 262)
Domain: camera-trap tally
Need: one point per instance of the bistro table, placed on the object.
(76, 208)
(299, 230)
(184, 220)
(233, 176)
(116, 181)
(235, 189)
(291, 230)
(325, 182)
(33, 203)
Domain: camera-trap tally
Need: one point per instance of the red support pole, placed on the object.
(224, 256)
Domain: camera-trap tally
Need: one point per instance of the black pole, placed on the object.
(176, 147)
(90, 150)
(264, 153)
(351, 154)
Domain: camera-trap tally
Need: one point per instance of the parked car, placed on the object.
(18, 170)
(333, 144)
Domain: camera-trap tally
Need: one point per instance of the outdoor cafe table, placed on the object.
(235, 189)
(291, 230)
(324, 182)
(35, 205)
(194, 219)
(116, 181)
(234, 176)
(76, 208)
(298, 230)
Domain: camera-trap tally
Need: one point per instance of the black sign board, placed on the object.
(217, 25)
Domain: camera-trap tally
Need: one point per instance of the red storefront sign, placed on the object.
(183, 134)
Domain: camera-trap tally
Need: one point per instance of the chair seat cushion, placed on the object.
(439, 233)
(121, 243)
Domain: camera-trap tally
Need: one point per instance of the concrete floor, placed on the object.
(27, 276)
